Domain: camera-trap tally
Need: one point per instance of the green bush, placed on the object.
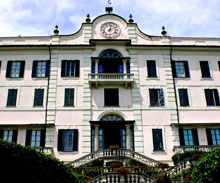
(25, 164)
(207, 169)
(188, 154)
(185, 176)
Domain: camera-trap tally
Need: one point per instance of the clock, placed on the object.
(110, 30)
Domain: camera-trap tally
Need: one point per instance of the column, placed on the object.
(128, 137)
(96, 68)
(96, 139)
(124, 69)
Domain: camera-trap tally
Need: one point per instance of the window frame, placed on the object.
(36, 103)
(155, 140)
(195, 137)
(210, 136)
(209, 69)
(185, 67)
(9, 101)
(188, 97)
(118, 97)
(156, 104)
(9, 69)
(72, 74)
(215, 95)
(74, 97)
(156, 69)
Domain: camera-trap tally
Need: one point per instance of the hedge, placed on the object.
(188, 154)
(25, 164)
(207, 169)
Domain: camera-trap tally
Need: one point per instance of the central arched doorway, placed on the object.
(112, 130)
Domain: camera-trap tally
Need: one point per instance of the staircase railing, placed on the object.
(107, 153)
(115, 178)
(178, 167)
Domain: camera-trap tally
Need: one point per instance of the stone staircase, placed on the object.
(114, 154)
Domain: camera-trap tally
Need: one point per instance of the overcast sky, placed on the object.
(193, 18)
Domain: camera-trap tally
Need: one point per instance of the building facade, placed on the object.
(110, 84)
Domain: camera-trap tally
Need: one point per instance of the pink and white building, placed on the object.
(110, 84)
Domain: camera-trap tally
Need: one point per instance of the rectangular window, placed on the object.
(69, 97)
(151, 68)
(10, 135)
(68, 140)
(111, 97)
(212, 97)
(40, 69)
(70, 68)
(213, 136)
(35, 138)
(157, 139)
(38, 97)
(180, 69)
(15, 69)
(188, 137)
(183, 97)
(204, 65)
(12, 97)
(219, 65)
(156, 97)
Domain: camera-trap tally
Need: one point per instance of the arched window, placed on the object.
(110, 53)
(112, 117)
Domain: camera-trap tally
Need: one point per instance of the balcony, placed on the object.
(182, 149)
(46, 150)
(102, 79)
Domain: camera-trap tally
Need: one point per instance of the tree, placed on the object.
(207, 169)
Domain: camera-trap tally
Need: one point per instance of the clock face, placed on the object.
(110, 30)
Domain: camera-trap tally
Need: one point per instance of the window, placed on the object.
(151, 68)
(69, 97)
(12, 97)
(213, 136)
(15, 69)
(157, 139)
(70, 68)
(219, 65)
(212, 97)
(40, 69)
(68, 140)
(10, 135)
(188, 137)
(156, 97)
(111, 97)
(180, 69)
(183, 97)
(204, 65)
(38, 97)
(35, 138)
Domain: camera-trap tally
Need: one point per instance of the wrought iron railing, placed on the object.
(107, 153)
(191, 148)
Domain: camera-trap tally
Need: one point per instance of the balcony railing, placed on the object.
(46, 150)
(191, 148)
(96, 79)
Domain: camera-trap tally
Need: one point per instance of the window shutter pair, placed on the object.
(75, 140)
(212, 97)
(63, 67)
(38, 97)
(195, 137)
(12, 97)
(28, 138)
(9, 65)
(186, 68)
(34, 68)
(14, 136)
(183, 96)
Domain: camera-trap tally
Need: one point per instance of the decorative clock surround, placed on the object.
(110, 30)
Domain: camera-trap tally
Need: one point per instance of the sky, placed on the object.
(182, 18)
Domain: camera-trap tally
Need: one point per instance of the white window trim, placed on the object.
(178, 97)
(63, 96)
(44, 98)
(17, 99)
(183, 78)
(148, 97)
(163, 136)
(211, 88)
(157, 70)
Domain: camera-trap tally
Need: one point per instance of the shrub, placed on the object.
(162, 165)
(188, 154)
(116, 164)
(122, 170)
(25, 164)
(207, 169)
(186, 175)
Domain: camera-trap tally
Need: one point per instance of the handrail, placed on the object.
(178, 167)
(107, 153)
(115, 178)
(200, 147)
(111, 76)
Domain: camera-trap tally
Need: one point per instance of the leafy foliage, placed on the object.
(207, 169)
(186, 175)
(25, 164)
(188, 154)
